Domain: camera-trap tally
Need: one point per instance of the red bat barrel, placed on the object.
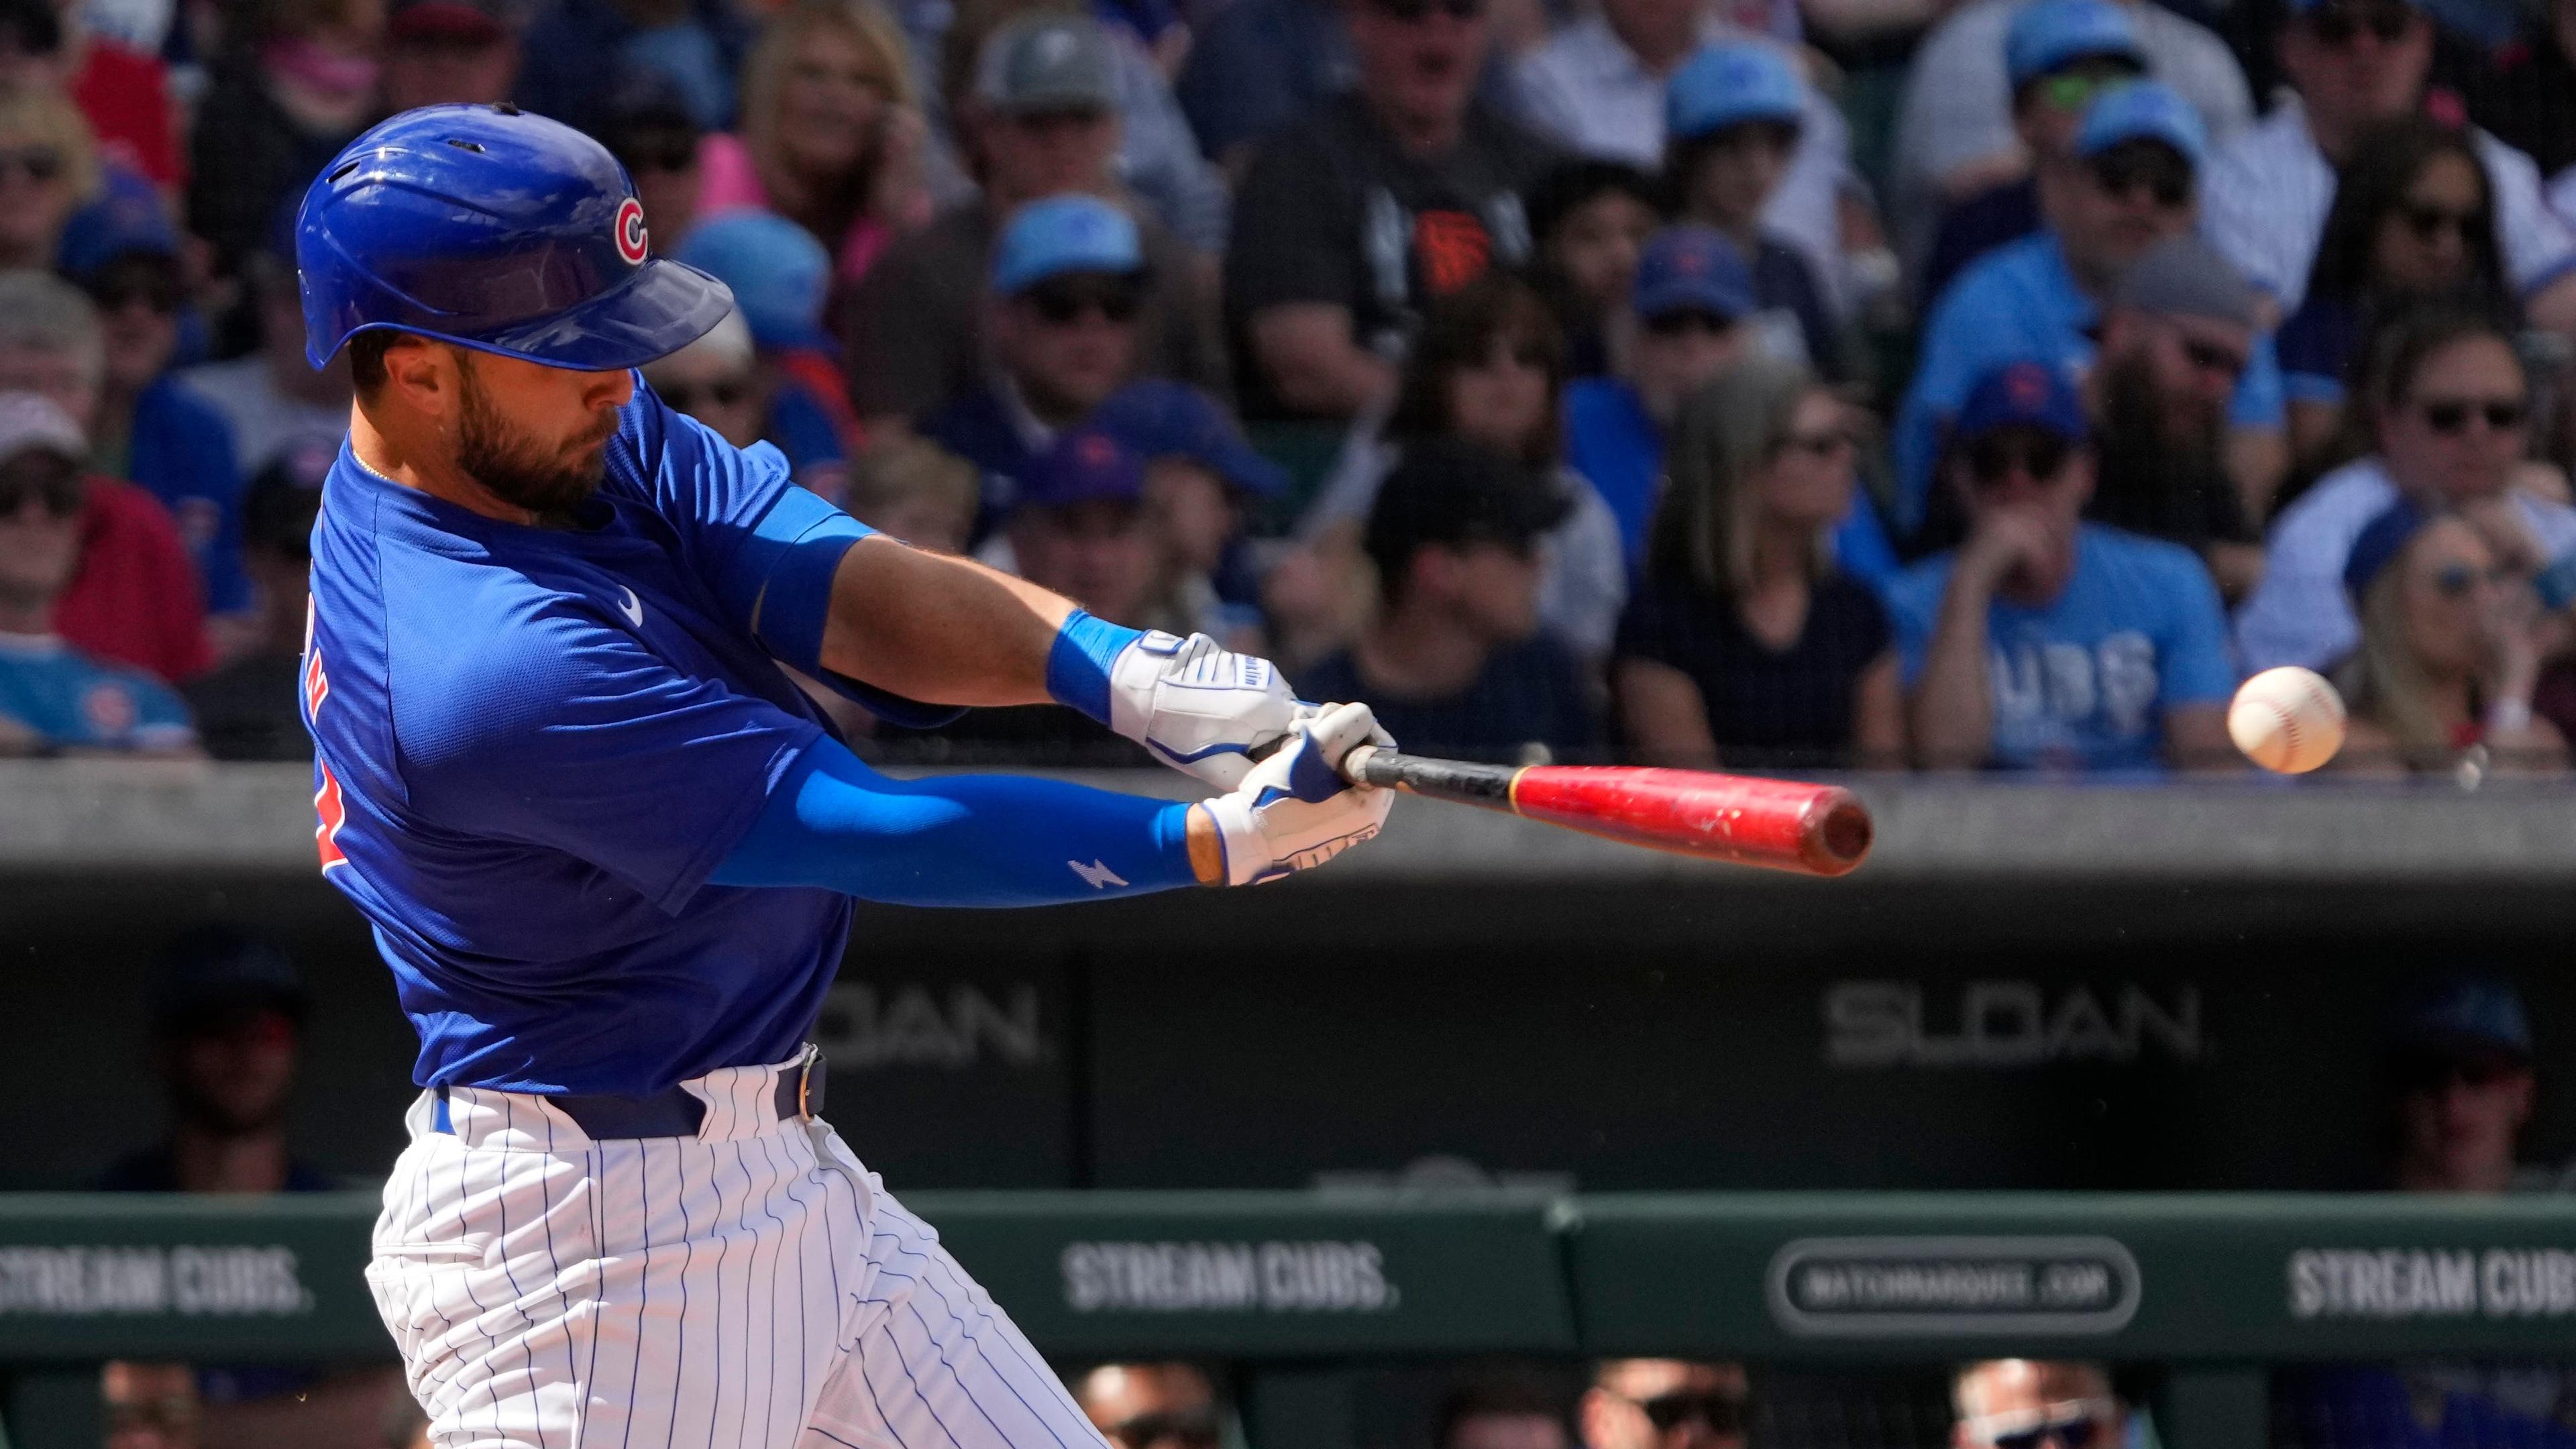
(1779, 824)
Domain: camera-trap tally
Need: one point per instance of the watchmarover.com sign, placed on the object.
(1953, 1286)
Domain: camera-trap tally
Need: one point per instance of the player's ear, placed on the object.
(423, 374)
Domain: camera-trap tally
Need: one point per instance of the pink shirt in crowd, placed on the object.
(728, 179)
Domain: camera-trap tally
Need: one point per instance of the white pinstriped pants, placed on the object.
(752, 1287)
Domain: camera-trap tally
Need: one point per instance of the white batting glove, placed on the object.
(1198, 706)
(1294, 811)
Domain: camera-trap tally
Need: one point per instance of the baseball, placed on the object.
(2287, 720)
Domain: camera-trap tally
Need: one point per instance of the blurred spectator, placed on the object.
(1736, 112)
(1954, 132)
(1680, 329)
(2129, 183)
(48, 169)
(1351, 221)
(645, 123)
(1042, 120)
(1068, 283)
(405, 1426)
(1500, 1413)
(149, 1405)
(1663, 1403)
(1488, 368)
(248, 710)
(2020, 1403)
(144, 426)
(123, 92)
(780, 276)
(1455, 664)
(55, 695)
(2355, 62)
(2460, 1059)
(2450, 653)
(831, 138)
(2045, 642)
(2059, 55)
(134, 599)
(1744, 645)
(2413, 222)
(2446, 405)
(1600, 88)
(272, 399)
(580, 52)
(1150, 1405)
(1591, 219)
(2175, 340)
(1201, 476)
(2524, 92)
(300, 85)
(444, 52)
(918, 491)
(225, 1020)
(1256, 66)
(713, 381)
(1159, 161)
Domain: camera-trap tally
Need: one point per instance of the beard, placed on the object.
(520, 471)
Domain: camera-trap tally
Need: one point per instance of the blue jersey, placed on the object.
(533, 746)
(74, 701)
(2083, 681)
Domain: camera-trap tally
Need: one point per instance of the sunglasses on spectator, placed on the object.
(1824, 447)
(2338, 25)
(1777, 137)
(2449, 416)
(2210, 357)
(36, 163)
(2077, 1425)
(1062, 303)
(1683, 321)
(724, 393)
(114, 292)
(53, 482)
(1412, 11)
(2429, 222)
(1993, 458)
(2435, 1072)
(2072, 91)
(1193, 1427)
(1667, 1412)
(2156, 168)
(2453, 580)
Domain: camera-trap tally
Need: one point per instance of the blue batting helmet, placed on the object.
(495, 230)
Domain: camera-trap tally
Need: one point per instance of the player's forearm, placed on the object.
(966, 840)
(940, 629)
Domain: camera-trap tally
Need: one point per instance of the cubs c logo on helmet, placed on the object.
(631, 240)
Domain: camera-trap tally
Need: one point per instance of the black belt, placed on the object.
(673, 1111)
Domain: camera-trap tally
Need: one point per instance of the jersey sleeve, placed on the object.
(567, 733)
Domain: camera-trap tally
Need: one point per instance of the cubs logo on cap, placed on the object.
(632, 240)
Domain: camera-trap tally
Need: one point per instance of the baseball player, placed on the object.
(608, 847)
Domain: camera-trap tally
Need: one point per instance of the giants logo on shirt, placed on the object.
(327, 805)
(631, 239)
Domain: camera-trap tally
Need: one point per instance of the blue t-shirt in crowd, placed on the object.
(1610, 439)
(181, 451)
(2083, 682)
(2317, 345)
(74, 701)
(535, 744)
(2015, 304)
(801, 428)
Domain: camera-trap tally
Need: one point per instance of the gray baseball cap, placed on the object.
(1048, 63)
(29, 421)
(2184, 276)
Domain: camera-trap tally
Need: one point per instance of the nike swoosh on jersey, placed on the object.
(1097, 875)
(632, 607)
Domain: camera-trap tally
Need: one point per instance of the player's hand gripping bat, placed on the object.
(1780, 824)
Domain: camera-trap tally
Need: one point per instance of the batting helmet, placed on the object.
(495, 230)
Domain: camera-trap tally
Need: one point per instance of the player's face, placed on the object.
(535, 436)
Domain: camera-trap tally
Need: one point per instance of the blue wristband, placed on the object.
(1077, 671)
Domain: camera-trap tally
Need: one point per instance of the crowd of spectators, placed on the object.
(1814, 383)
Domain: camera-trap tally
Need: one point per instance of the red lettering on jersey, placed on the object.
(317, 685)
(334, 814)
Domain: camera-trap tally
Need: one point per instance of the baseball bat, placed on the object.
(1778, 824)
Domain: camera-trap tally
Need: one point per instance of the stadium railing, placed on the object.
(2214, 1288)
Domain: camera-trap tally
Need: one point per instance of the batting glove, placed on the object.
(1294, 811)
(1198, 706)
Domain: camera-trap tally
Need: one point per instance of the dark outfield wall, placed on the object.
(1735, 1033)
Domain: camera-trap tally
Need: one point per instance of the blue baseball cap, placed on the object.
(778, 272)
(2302, 7)
(2379, 543)
(2461, 1015)
(1692, 268)
(2053, 34)
(1085, 464)
(1159, 418)
(126, 217)
(1061, 234)
(2143, 111)
(1726, 85)
(2022, 395)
